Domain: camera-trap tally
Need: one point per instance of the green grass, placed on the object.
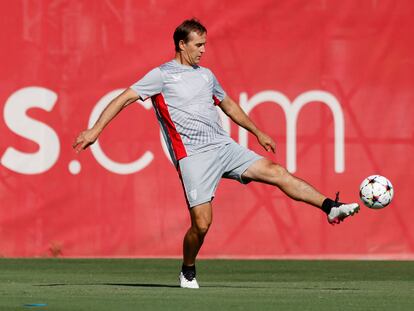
(151, 284)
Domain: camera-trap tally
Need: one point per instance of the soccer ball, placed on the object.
(376, 191)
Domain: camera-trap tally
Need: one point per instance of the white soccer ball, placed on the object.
(376, 191)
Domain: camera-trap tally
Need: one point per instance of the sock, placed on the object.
(189, 272)
(327, 205)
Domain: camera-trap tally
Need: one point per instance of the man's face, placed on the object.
(194, 48)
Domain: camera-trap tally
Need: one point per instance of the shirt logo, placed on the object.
(205, 77)
(176, 77)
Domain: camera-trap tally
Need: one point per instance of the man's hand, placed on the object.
(266, 142)
(88, 137)
(237, 114)
(84, 140)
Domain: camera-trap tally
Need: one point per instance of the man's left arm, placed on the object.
(234, 111)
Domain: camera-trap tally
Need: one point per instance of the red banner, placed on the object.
(330, 81)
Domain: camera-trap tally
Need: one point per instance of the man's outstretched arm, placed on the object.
(234, 111)
(89, 136)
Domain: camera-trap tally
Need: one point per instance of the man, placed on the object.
(184, 97)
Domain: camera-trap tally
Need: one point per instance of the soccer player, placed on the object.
(185, 96)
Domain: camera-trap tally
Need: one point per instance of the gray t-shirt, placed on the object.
(185, 99)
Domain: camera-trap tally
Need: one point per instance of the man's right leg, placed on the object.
(266, 171)
(201, 218)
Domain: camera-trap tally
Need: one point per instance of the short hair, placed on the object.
(183, 31)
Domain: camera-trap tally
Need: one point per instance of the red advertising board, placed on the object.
(330, 81)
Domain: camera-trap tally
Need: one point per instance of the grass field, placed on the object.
(151, 284)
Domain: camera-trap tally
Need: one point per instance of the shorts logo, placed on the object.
(193, 194)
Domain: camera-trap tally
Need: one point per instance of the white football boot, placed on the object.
(341, 210)
(184, 283)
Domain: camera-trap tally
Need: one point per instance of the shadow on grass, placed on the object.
(112, 284)
(145, 285)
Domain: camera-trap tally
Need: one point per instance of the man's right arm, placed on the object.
(89, 136)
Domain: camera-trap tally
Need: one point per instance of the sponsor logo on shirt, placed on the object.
(205, 77)
(176, 77)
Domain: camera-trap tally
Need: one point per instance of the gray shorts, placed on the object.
(201, 173)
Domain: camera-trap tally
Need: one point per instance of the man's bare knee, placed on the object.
(201, 228)
(278, 175)
(280, 171)
(201, 218)
(268, 172)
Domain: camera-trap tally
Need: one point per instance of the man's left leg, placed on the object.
(200, 175)
(266, 171)
(201, 217)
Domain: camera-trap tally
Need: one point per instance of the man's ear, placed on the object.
(181, 45)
